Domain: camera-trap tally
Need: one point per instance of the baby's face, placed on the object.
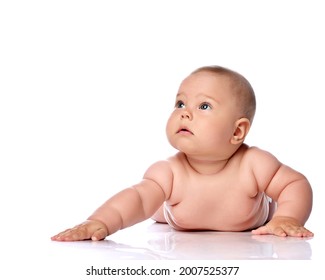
(204, 117)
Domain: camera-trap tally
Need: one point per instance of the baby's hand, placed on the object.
(283, 226)
(90, 229)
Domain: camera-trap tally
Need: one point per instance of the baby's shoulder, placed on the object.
(161, 173)
(260, 161)
(255, 153)
(166, 167)
(161, 168)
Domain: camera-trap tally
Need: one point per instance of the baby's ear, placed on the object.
(242, 127)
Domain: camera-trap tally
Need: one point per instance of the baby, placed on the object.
(215, 181)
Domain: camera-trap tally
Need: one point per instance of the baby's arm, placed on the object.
(290, 189)
(128, 207)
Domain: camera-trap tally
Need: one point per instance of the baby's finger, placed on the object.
(261, 230)
(58, 236)
(75, 234)
(298, 232)
(279, 231)
(307, 233)
(99, 234)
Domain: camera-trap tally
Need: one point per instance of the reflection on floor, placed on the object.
(153, 241)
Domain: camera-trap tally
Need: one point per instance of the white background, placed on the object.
(86, 88)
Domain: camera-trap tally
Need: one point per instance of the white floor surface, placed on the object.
(152, 245)
(153, 241)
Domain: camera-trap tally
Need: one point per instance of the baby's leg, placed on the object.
(159, 216)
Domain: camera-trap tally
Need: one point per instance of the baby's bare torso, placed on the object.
(226, 201)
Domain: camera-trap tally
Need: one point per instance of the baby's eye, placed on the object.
(205, 106)
(180, 104)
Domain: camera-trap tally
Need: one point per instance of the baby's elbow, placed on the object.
(301, 195)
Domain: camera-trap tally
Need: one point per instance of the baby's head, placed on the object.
(214, 109)
(240, 87)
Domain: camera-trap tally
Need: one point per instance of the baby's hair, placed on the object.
(243, 90)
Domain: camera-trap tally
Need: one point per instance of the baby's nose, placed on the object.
(186, 115)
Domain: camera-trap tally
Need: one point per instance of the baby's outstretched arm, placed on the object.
(292, 192)
(126, 208)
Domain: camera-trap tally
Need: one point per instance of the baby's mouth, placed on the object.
(184, 130)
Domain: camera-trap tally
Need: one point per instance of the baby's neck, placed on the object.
(206, 167)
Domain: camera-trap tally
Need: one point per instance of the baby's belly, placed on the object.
(225, 217)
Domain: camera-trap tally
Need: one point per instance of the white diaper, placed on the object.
(168, 217)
